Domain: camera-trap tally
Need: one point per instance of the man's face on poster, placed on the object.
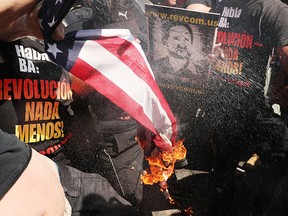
(178, 42)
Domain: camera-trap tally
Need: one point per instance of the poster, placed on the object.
(179, 44)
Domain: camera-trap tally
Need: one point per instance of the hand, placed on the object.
(217, 53)
(137, 41)
(31, 23)
(33, 27)
(198, 7)
(28, 25)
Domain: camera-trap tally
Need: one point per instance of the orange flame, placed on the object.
(162, 164)
(164, 189)
(188, 211)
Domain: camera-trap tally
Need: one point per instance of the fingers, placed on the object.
(137, 41)
(218, 51)
(33, 26)
(32, 23)
(59, 33)
(217, 54)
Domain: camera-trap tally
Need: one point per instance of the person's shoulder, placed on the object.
(207, 3)
(14, 158)
(265, 6)
(269, 12)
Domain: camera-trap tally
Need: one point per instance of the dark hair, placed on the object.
(166, 26)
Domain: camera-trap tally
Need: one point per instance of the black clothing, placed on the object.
(14, 158)
(238, 90)
(114, 152)
(124, 14)
(207, 3)
(236, 97)
(35, 97)
(37, 94)
(278, 204)
(91, 194)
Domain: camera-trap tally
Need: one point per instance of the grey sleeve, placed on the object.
(14, 158)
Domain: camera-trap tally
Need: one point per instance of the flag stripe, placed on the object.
(100, 82)
(126, 80)
(125, 42)
(130, 59)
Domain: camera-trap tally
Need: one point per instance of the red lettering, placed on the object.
(249, 42)
(44, 85)
(36, 92)
(28, 89)
(235, 39)
(53, 87)
(56, 147)
(1, 91)
(17, 86)
(221, 37)
(34, 89)
(7, 89)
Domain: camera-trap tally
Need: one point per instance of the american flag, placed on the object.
(114, 64)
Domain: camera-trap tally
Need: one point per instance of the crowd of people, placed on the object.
(242, 121)
(75, 152)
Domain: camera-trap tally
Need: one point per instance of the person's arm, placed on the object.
(198, 7)
(37, 191)
(26, 25)
(14, 9)
(282, 53)
(280, 85)
(80, 88)
(23, 23)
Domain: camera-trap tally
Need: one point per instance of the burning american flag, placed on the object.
(114, 64)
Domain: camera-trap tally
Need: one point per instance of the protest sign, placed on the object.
(179, 44)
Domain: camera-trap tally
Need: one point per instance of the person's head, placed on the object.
(177, 39)
(170, 2)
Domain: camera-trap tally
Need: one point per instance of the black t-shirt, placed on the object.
(101, 14)
(35, 95)
(14, 158)
(207, 3)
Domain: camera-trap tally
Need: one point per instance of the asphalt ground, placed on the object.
(193, 186)
(188, 189)
(193, 189)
